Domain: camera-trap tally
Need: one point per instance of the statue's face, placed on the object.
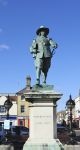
(43, 33)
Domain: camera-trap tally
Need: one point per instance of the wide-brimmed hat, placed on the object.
(42, 28)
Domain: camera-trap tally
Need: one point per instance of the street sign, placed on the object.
(7, 124)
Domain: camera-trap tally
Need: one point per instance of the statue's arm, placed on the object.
(33, 47)
(53, 44)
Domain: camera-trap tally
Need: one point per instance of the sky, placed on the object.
(19, 20)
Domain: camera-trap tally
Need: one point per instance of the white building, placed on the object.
(77, 109)
(12, 111)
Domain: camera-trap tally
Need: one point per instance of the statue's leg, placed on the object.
(44, 71)
(44, 78)
(38, 72)
(46, 66)
(38, 64)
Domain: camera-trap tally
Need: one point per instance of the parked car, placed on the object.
(19, 130)
(2, 133)
(61, 128)
(24, 131)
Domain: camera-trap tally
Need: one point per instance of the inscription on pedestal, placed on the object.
(42, 119)
(42, 122)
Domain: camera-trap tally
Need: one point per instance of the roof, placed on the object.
(6, 94)
(13, 98)
(25, 90)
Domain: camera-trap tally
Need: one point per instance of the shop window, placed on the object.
(2, 109)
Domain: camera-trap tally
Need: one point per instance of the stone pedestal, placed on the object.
(42, 114)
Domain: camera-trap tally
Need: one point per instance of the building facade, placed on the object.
(22, 109)
(77, 110)
(12, 111)
(61, 116)
(23, 105)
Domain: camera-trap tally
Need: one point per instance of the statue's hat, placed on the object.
(42, 28)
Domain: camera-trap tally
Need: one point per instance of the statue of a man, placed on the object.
(42, 54)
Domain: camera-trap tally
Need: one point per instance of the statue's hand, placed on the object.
(34, 56)
(32, 50)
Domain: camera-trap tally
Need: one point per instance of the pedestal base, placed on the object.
(42, 115)
(43, 144)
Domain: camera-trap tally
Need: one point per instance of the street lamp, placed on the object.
(70, 104)
(8, 104)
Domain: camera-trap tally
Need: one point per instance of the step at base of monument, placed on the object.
(43, 144)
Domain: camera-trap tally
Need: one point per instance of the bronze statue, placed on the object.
(42, 53)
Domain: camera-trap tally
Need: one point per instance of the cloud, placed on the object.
(4, 47)
(4, 2)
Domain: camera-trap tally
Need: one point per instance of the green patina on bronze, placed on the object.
(42, 87)
(42, 53)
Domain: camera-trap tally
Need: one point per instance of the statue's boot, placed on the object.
(44, 83)
(37, 82)
(44, 79)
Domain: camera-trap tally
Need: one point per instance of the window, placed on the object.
(22, 108)
(2, 109)
(22, 97)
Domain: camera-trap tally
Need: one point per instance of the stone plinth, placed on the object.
(71, 147)
(43, 144)
(42, 114)
(6, 147)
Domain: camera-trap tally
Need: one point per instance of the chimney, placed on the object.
(28, 82)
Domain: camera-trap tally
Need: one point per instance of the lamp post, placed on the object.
(70, 104)
(8, 104)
